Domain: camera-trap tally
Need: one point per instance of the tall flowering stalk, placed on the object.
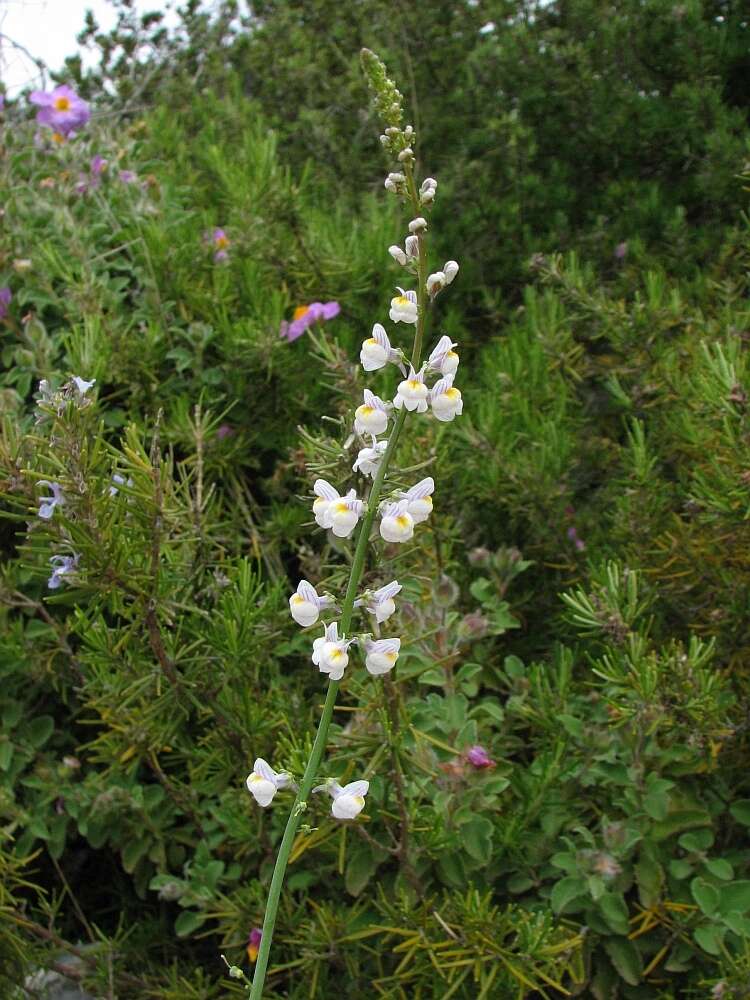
(399, 513)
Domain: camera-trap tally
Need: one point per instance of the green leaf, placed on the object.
(492, 709)
(735, 897)
(679, 820)
(519, 883)
(476, 838)
(650, 878)
(12, 712)
(361, 865)
(626, 959)
(132, 853)
(187, 922)
(737, 923)
(680, 869)
(720, 868)
(6, 755)
(39, 730)
(741, 811)
(572, 725)
(566, 891)
(697, 841)
(656, 804)
(514, 667)
(709, 938)
(705, 895)
(615, 912)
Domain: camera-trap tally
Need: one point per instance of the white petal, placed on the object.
(356, 788)
(264, 769)
(323, 489)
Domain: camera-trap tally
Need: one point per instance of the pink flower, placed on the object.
(478, 757)
(305, 316)
(253, 943)
(224, 431)
(62, 109)
(98, 165)
(127, 176)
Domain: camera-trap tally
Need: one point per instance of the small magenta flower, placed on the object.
(61, 566)
(305, 316)
(47, 504)
(127, 176)
(478, 757)
(5, 299)
(62, 109)
(263, 782)
(579, 543)
(98, 165)
(224, 431)
(253, 943)
(305, 605)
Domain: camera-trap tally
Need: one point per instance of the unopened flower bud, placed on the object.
(473, 627)
(412, 247)
(406, 155)
(428, 184)
(418, 225)
(435, 282)
(480, 556)
(392, 131)
(450, 270)
(235, 972)
(398, 254)
(427, 197)
(446, 592)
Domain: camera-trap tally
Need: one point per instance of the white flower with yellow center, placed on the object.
(376, 351)
(372, 416)
(369, 459)
(397, 524)
(381, 655)
(446, 401)
(404, 307)
(330, 654)
(263, 782)
(325, 495)
(380, 602)
(443, 358)
(412, 392)
(349, 801)
(419, 499)
(333, 511)
(305, 605)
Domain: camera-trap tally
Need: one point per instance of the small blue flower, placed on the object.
(47, 504)
(61, 566)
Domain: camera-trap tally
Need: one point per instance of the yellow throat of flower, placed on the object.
(62, 104)
(299, 312)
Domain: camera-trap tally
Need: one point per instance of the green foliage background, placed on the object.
(578, 604)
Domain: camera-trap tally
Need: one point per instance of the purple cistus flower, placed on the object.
(305, 316)
(62, 109)
(478, 757)
(61, 566)
(5, 296)
(47, 504)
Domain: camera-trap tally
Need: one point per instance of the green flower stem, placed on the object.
(358, 564)
(321, 737)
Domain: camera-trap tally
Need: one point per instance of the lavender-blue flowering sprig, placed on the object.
(62, 566)
(47, 504)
